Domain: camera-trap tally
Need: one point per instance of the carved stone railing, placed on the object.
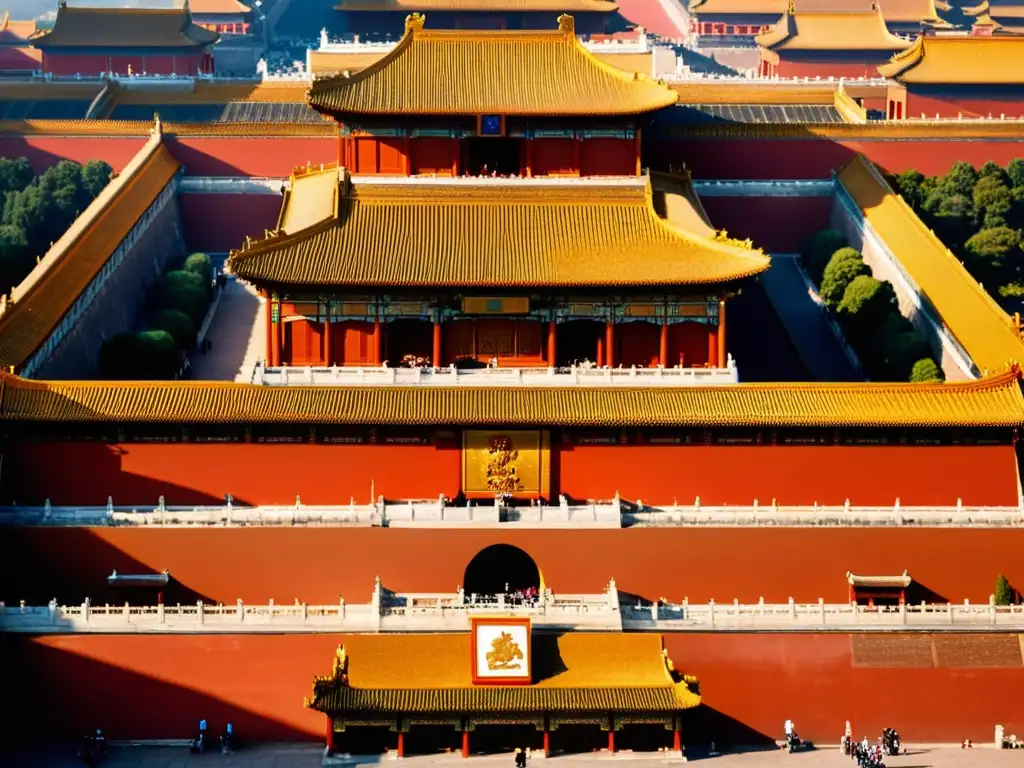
(573, 376)
(438, 513)
(791, 616)
(452, 612)
(386, 611)
(775, 515)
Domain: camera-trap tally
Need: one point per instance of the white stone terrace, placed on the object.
(606, 611)
(572, 376)
(440, 513)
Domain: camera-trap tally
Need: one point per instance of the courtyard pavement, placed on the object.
(305, 756)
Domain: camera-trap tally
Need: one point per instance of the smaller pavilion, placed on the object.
(126, 41)
(828, 43)
(957, 76)
(878, 590)
(997, 17)
(499, 687)
(225, 17)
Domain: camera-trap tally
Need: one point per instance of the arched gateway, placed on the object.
(501, 569)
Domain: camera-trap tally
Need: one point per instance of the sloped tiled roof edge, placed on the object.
(39, 302)
(995, 401)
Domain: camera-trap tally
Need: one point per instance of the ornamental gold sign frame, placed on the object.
(501, 621)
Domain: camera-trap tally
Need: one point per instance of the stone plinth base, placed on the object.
(338, 760)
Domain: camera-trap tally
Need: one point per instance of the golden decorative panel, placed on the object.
(513, 462)
(479, 305)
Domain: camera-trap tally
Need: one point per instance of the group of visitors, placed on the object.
(94, 748)
(870, 755)
(199, 744)
(527, 597)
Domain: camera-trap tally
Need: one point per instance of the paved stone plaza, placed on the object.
(296, 756)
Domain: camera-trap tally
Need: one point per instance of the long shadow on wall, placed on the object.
(705, 725)
(72, 564)
(54, 696)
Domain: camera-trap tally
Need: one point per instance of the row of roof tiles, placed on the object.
(992, 402)
(455, 235)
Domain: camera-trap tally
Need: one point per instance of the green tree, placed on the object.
(900, 353)
(845, 265)
(189, 299)
(994, 256)
(819, 250)
(161, 358)
(16, 260)
(120, 357)
(960, 180)
(926, 371)
(15, 175)
(866, 304)
(911, 185)
(96, 174)
(1015, 170)
(180, 278)
(1004, 594)
(993, 202)
(990, 170)
(199, 264)
(176, 323)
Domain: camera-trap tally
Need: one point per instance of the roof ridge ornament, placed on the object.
(791, 8)
(414, 23)
(567, 25)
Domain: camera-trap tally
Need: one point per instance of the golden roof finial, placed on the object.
(791, 8)
(414, 23)
(567, 24)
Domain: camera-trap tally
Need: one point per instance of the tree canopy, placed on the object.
(845, 265)
(37, 210)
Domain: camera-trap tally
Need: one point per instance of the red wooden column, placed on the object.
(465, 743)
(275, 338)
(552, 342)
(611, 740)
(529, 158)
(636, 144)
(268, 311)
(406, 156)
(377, 357)
(721, 334)
(677, 738)
(609, 343)
(712, 345)
(330, 735)
(436, 352)
(600, 352)
(663, 344)
(327, 337)
(401, 743)
(547, 742)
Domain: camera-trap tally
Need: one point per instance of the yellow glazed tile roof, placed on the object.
(463, 233)
(959, 61)
(966, 309)
(678, 203)
(494, 6)
(486, 72)
(77, 27)
(995, 401)
(41, 300)
(894, 11)
(831, 31)
(574, 672)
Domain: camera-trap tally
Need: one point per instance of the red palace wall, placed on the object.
(202, 473)
(825, 68)
(274, 473)
(930, 687)
(45, 151)
(317, 565)
(250, 156)
(759, 218)
(953, 104)
(219, 223)
(818, 158)
(64, 64)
